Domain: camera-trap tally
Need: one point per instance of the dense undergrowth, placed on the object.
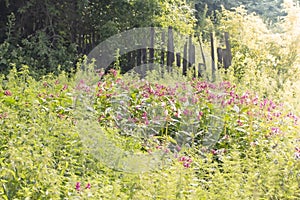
(43, 156)
(93, 137)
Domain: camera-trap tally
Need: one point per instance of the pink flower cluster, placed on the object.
(78, 186)
(7, 93)
(186, 161)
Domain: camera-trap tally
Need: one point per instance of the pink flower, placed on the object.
(77, 187)
(255, 100)
(113, 72)
(183, 158)
(187, 112)
(177, 114)
(214, 152)
(240, 123)
(65, 87)
(144, 115)
(186, 161)
(186, 165)
(194, 99)
(178, 148)
(183, 99)
(200, 114)
(275, 130)
(88, 186)
(7, 93)
(45, 84)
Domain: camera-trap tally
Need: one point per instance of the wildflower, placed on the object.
(240, 123)
(113, 72)
(263, 104)
(145, 95)
(65, 87)
(255, 100)
(7, 93)
(183, 158)
(186, 165)
(167, 151)
(183, 99)
(194, 99)
(230, 101)
(214, 152)
(200, 114)
(275, 130)
(101, 73)
(45, 84)
(144, 115)
(145, 118)
(88, 186)
(77, 187)
(187, 112)
(186, 161)
(232, 94)
(226, 137)
(177, 114)
(277, 114)
(269, 117)
(178, 148)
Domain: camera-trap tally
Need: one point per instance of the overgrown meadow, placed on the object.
(255, 153)
(94, 135)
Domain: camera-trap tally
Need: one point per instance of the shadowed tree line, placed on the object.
(48, 34)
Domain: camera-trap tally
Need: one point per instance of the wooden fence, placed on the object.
(166, 55)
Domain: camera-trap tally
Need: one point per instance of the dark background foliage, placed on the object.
(47, 34)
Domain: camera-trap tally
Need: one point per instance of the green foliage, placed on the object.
(257, 152)
(267, 9)
(43, 156)
(52, 35)
(265, 60)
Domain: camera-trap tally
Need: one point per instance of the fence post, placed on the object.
(184, 62)
(144, 55)
(162, 54)
(178, 59)
(151, 48)
(220, 57)
(202, 53)
(213, 67)
(228, 57)
(192, 56)
(170, 50)
(139, 57)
